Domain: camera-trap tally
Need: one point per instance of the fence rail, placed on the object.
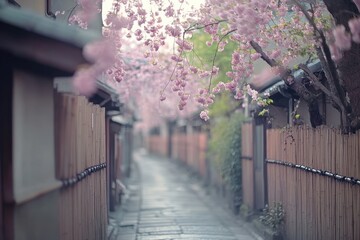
(80, 141)
(316, 206)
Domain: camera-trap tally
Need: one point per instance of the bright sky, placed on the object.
(186, 6)
(147, 6)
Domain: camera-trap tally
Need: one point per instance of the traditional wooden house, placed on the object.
(122, 140)
(306, 169)
(33, 50)
(287, 110)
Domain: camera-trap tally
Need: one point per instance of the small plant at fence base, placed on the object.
(273, 217)
(246, 212)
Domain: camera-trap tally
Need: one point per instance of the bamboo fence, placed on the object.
(187, 148)
(180, 140)
(316, 206)
(247, 165)
(80, 145)
(157, 144)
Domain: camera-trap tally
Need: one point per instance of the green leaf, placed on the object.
(263, 112)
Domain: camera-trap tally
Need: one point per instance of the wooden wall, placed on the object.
(80, 148)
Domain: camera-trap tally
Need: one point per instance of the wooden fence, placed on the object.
(196, 152)
(180, 147)
(316, 206)
(247, 164)
(187, 148)
(158, 144)
(81, 157)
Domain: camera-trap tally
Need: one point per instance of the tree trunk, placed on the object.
(349, 65)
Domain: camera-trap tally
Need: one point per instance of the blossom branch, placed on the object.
(264, 56)
(216, 51)
(192, 28)
(310, 98)
(72, 11)
(328, 63)
(307, 15)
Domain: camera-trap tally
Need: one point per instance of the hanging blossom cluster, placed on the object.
(87, 10)
(130, 21)
(101, 54)
(135, 33)
(281, 34)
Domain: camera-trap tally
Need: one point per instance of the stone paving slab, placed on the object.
(206, 237)
(165, 203)
(164, 237)
(150, 230)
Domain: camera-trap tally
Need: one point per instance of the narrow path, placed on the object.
(164, 203)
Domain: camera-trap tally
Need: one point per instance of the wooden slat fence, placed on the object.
(180, 147)
(247, 164)
(192, 158)
(196, 146)
(202, 149)
(191, 150)
(80, 144)
(187, 148)
(316, 206)
(158, 145)
(118, 156)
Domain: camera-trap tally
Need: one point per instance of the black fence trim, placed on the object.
(82, 175)
(246, 157)
(337, 177)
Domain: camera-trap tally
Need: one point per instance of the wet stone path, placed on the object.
(163, 202)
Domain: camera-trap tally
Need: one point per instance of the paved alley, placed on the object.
(163, 202)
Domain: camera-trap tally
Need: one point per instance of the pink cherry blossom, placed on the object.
(204, 115)
(354, 25)
(336, 53)
(144, 54)
(342, 38)
(239, 94)
(84, 82)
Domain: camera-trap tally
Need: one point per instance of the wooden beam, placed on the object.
(6, 164)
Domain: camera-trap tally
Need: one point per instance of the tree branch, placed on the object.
(316, 118)
(192, 28)
(72, 11)
(318, 84)
(332, 96)
(307, 15)
(328, 64)
(216, 51)
(264, 56)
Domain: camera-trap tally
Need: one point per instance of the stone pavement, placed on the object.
(163, 202)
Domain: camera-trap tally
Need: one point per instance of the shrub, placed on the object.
(225, 149)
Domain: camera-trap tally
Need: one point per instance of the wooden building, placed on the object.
(53, 157)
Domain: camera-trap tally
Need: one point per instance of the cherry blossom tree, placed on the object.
(158, 36)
